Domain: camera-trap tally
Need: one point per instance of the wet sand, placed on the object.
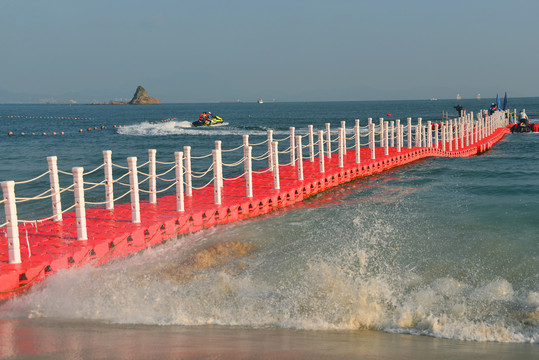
(58, 339)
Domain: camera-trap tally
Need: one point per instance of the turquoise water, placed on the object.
(444, 247)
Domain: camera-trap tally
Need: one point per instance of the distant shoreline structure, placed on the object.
(260, 101)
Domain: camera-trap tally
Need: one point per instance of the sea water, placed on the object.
(443, 247)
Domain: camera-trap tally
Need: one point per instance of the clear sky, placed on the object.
(292, 50)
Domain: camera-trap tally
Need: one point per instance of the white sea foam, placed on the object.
(307, 275)
(180, 127)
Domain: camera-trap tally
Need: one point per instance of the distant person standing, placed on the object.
(523, 117)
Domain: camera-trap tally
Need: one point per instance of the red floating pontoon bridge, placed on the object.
(32, 249)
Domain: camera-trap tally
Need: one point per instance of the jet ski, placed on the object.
(522, 127)
(215, 120)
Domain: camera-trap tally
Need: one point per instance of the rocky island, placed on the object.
(141, 97)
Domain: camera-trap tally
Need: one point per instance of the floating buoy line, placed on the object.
(47, 117)
(89, 129)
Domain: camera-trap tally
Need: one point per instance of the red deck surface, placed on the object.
(111, 234)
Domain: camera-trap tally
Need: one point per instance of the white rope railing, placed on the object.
(204, 186)
(201, 174)
(120, 166)
(33, 179)
(237, 163)
(235, 178)
(201, 157)
(92, 171)
(234, 149)
(453, 134)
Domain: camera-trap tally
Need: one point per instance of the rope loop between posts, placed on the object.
(167, 188)
(165, 180)
(201, 174)
(120, 166)
(143, 181)
(236, 148)
(201, 157)
(4, 224)
(260, 143)
(64, 172)
(144, 164)
(158, 191)
(279, 140)
(239, 162)
(121, 177)
(165, 172)
(261, 157)
(92, 171)
(121, 196)
(165, 162)
(202, 187)
(235, 178)
(261, 171)
(30, 180)
(94, 185)
(285, 151)
(37, 197)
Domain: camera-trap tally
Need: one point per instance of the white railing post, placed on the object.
(450, 129)
(341, 147)
(328, 140)
(444, 131)
(311, 143)
(429, 134)
(292, 146)
(409, 120)
(419, 139)
(399, 134)
(276, 183)
(357, 137)
(343, 126)
(392, 132)
(321, 150)
(456, 128)
(461, 132)
(219, 162)
(187, 168)
(386, 138)
(245, 149)
(133, 183)
(270, 149)
(300, 157)
(470, 128)
(178, 159)
(80, 206)
(436, 128)
(12, 227)
(109, 180)
(381, 132)
(372, 143)
(249, 172)
(55, 188)
(216, 178)
(152, 180)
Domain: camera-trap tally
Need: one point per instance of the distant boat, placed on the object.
(260, 101)
(433, 99)
(458, 96)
